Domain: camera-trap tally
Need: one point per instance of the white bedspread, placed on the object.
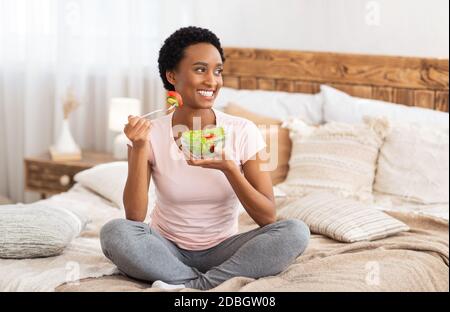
(83, 258)
(393, 203)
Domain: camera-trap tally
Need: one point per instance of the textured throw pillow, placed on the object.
(108, 180)
(340, 107)
(335, 157)
(341, 219)
(35, 230)
(279, 144)
(414, 164)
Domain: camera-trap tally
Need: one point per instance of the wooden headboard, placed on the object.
(421, 82)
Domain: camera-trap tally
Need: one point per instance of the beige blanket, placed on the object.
(410, 261)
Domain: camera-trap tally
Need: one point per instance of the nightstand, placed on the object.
(49, 177)
(5, 200)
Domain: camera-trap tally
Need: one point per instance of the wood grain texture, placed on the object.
(421, 82)
(46, 176)
(285, 85)
(231, 82)
(249, 83)
(442, 101)
(383, 94)
(404, 96)
(306, 87)
(266, 84)
(424, 98)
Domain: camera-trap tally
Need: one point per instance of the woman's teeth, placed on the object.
(206, 93)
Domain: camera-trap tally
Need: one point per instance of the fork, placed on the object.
(157, 111)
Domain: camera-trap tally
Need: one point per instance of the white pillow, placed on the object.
(108, 180)
(341, 219)
(36, 230)
(341, 107)
(276, 104)
(414, 164)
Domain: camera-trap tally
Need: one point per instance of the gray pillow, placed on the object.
(36, 230)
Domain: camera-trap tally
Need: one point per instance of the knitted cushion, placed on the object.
(335, 157)
(34, 230)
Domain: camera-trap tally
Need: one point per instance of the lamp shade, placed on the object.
(120, 109)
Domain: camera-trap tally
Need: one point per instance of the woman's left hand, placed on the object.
(222, 161)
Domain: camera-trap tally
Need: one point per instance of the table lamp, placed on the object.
(119, 110)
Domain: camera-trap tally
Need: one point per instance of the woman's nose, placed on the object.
(210, 80)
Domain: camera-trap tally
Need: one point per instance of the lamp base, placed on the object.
(120, 150)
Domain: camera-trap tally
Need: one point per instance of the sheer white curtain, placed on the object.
(99, 48)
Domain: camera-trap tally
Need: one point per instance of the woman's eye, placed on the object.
(218, 71)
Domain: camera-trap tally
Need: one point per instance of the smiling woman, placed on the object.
(198, 81)
(192, 240)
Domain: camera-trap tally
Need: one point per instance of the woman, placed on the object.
(192, 240)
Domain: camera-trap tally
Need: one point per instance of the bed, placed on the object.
(416, 260)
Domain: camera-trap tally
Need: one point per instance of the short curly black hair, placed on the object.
(172, 51)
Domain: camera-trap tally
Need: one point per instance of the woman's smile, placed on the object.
(207, 94)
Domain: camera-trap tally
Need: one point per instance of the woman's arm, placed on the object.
(254, 190)
(135, 195)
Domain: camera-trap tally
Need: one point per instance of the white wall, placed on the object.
(387, 27)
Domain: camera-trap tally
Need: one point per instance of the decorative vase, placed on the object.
(65, 143)
(65, 147)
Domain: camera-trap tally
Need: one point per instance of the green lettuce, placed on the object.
(203, 142)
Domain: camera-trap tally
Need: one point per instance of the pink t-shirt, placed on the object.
(195, 207)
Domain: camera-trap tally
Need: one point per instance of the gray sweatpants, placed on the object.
(140, 252)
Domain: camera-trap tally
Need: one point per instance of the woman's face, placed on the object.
(198, 76)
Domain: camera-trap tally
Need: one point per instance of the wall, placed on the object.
(388, 27)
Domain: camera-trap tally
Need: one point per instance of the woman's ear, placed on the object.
(170, 75)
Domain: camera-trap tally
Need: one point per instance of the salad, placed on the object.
(203, 142)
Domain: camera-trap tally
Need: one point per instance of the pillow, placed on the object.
(341, 219)
(277, 140)
(276, 104)
(414, 164)
(341, 107)
(335, 157)
(108, 180)
(35, 230)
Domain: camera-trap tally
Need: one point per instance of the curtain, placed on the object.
(99, 49)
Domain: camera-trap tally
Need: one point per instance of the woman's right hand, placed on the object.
(137, 130)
